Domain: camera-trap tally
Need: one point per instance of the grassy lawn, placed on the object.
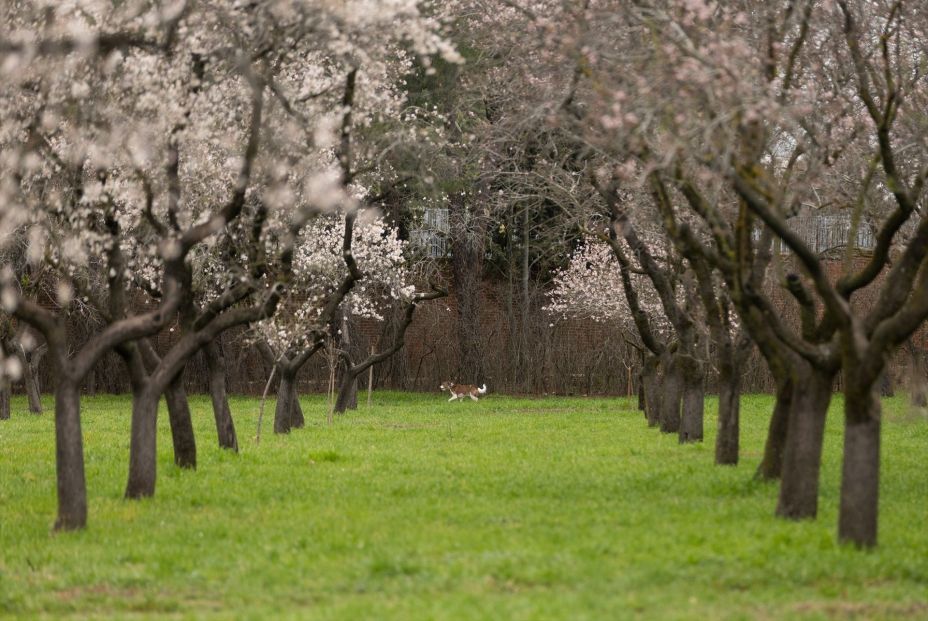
(420, 509)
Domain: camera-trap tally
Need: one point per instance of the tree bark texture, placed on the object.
(185, 444)
(918, 376)
(694, 399)
(143, 442)
(651, 385)
(225, 426)
(671, 395)
(287, 413)
(802, 456)
(69, 456)
(297, 420)
(347, 398)
(771, 466)
(4, 399)
(860, 474)
(31, 380)
(729, 419)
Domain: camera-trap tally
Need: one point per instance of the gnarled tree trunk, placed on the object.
(225, 426)
(802, 456)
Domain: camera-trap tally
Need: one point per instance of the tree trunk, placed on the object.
(347, 394)
(694, 400)
(671, 395)
(887, 388)
(860, 474)
(651, 385)
(802, 456)
(918, 378)
(771, 466)
(4, 398)
(297, 420)
(729, 421)
(283, 412)
(69, 455)
(225, 426)
(143, 445)
(185, 444)
(31, 380)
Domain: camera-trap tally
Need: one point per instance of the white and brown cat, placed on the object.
(459, 391)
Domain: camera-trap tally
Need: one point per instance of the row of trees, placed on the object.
(703, 129)
(199, 167)
(670, 142)
(193, 162)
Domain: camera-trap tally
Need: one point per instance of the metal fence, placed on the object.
(825, 234)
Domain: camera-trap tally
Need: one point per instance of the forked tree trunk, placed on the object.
(651, 386)
(641, 399)
(143, 451)
(860, 474)
(225, 426)
(185, 444)
(802, 457)
(771, 466)
(729, 419)
(694, 399)
(141, 364)
(4, 398)
(671, 395)
(69, 456)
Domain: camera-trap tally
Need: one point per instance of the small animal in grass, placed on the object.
(459, 391)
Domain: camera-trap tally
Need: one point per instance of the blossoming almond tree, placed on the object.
(749, 115)
(111, 113)
(326, 288)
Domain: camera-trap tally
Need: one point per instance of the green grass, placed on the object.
(420, 509)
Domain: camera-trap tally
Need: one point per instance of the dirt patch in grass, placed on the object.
(97, 591)
(865, 610)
